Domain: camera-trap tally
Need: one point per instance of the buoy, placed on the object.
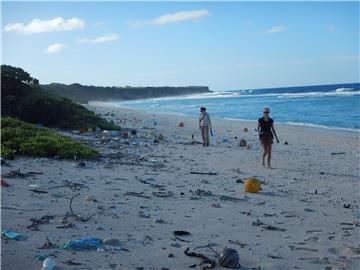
(252, 185)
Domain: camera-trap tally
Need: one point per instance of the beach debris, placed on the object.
(229, 258)
(347, 205)
(160, 137)
(82, 164)
(216, 205)
(252, 185)
(176, 245)
(71, 262)
(3, 161)
(248, 146)
(245, 129)
(35, 222)
(18, 173)
(125, 135)
(90, 198)
(316, 192)
(111, 242)
(206, 263)
(47, 245)
(159, 221)
(338, 153)
(83, 244)
(12, 235)
(181, 233)
(133, 132)
(242, 143)
(3, 183)
(136, 194)
(274, 257)
(76, 216)
(204, 173)
(273, 228)
(48, 264)
(286, 143)
(238, 243)
(163, 194)
(181, 124)
(258, 222)
(72, 185)
(239, 181)
(38, 191)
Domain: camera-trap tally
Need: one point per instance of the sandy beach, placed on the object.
(306, 216)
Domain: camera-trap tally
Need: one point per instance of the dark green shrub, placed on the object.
(18, 137)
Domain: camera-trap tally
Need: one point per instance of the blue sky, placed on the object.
(226, 46)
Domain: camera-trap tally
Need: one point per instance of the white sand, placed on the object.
(315, 237)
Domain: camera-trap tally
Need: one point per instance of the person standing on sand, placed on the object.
(266, 133)
(204, 126)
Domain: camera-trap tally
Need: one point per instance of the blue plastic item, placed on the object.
(11, 234)
(83, 244)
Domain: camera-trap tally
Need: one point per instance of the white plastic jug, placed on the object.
(48, 264)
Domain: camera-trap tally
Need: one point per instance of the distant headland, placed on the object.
(83, 93)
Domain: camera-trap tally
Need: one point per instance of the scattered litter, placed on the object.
(206, 263)
(111, 242)
(216, 205)
(163, 194)
(48, 244)
(90, 198)
(237, 242)
(207, 173)
(347, 205)
(71, 262)
(3, 183)
(18, 173)
(181, 233)
(38, 191)
(245, 129)
(242, 143)
(136, 194)
(72, 214)
(35, 222)
(181, 124)
(12, 235)
(338, 153)
(133, 132)
(229, 258)
(83, 244)
(286, 143)
(82, 164)
(252, 185)
(48, 264)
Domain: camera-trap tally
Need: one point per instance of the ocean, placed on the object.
(334, 106)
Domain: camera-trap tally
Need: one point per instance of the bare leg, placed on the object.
(269, 156)
(207, 136)
(203, 135)
(264, 154)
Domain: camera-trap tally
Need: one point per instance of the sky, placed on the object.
(223, 45)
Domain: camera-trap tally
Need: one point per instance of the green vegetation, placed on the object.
(22, 97)
(84, 93)
(18, 137)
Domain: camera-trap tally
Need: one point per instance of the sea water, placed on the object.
(328, 106)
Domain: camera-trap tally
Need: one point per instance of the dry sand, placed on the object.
(318, 231)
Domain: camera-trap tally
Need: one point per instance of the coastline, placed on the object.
(297, 221)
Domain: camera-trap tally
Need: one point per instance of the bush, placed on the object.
(18, 137)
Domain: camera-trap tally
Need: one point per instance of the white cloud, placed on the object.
(54, 48)
(38, 26)
(276, 29)
(99, 39)
(332, 28)
(182, 16)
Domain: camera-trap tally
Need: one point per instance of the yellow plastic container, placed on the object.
(252, 185)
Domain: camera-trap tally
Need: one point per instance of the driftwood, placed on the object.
(71, 262)
(72, 185)
(38, 191)
(136, 194)
(19, 209)
(76, 216)
(207, 263)
(206, 173)
(35, 222)
(18, 173)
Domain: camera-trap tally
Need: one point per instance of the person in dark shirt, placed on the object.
(266, 133)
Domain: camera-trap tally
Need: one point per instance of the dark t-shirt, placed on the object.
(265, 126)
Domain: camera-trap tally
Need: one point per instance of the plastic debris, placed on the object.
(83, 244)
(133, 132)
(125, 135)
(252, 185)
(245, 129)
(48, 264)
(229, 258)
(242, 143)
(12, 235)
(181, 124)
(3, 183)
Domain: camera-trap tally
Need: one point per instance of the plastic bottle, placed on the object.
(48, 264)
